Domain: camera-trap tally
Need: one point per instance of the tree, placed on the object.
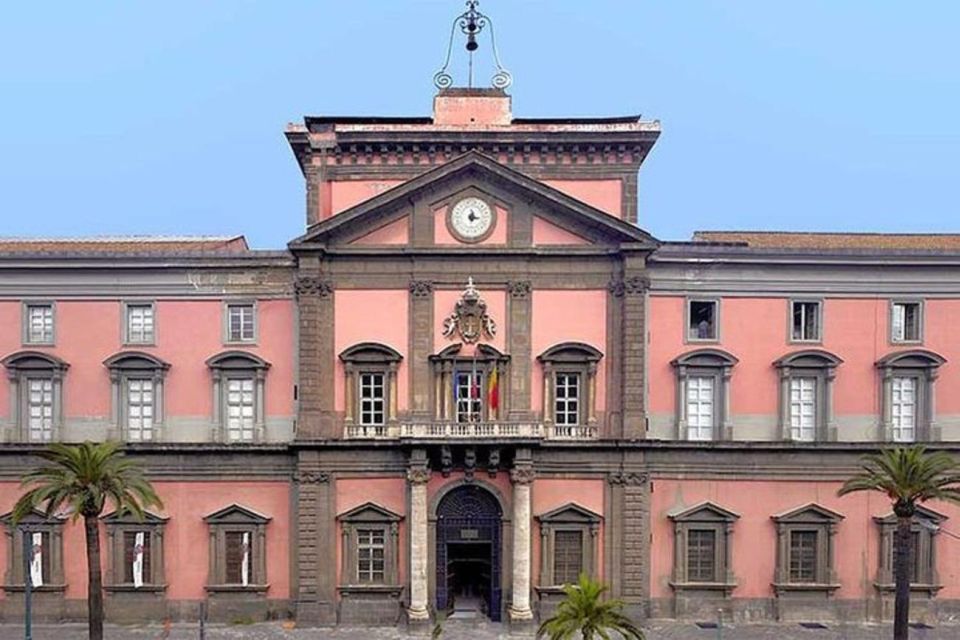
(81, 480)
(908, 476)
(586, 614)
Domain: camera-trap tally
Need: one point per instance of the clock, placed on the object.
(471, 219)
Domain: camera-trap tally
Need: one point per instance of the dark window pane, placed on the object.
(803, 556)
(567, 556)
(235, 550)
(701, 556)
(703, 320)
(129, 555)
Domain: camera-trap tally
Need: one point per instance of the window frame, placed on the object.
(926, 553)
(570, 517)
(705, 516)
(705, 363)
(571, 358)
(237, 519)
(229, 365)
(125, 323)
(362, 359)
(823, 522)
(485, 359)
(227, 338)
(687, 316)
(125, 366)
(791, 338)
(117, 525)
(924, 366)
(25, 323)
(36, 522)
(22, 367)
(921, 322)
(809, 363)
(369, 517)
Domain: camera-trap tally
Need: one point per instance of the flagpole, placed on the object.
(27, 583)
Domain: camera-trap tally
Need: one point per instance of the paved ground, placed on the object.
(464, 630)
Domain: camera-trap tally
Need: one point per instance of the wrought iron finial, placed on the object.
(471, 23)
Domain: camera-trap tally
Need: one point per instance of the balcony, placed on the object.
(440, 430)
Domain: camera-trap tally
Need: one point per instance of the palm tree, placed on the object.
(586, 614)
(909, 476)
(81, 480)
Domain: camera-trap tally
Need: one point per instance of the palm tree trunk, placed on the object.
(91, 525)
(901, 572)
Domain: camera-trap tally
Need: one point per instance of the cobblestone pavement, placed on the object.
(456, 630)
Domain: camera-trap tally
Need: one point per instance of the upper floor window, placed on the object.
(567, 399)
(238, 390)
(906, 321)
(806, 395)
(907, 395)
(703, 320)
(570, 389)
(38, 323)
(140, 323)
(703, 389)
(238, 539)
(137, 381)
(469, 389)
(241, 322)
(36, 386)
(370, 385)
(805, 320)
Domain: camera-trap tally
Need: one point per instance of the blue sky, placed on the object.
(147, 117)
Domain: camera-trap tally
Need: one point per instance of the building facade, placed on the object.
(475, 376)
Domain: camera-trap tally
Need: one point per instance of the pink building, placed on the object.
(475, 376)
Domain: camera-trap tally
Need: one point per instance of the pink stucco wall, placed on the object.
(370, 315)
(550, 493)
(444, 301)
(857, 540)
(442, 235)
(389, 493)
(188, 333)
(603, 194)
(346, 193)
(396, 232)
(568, 316)
(546, 233)
(186, 534)
(755, 331)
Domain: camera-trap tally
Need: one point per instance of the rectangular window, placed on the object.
(803, 556)
(39, 320)
(136, 557)
(140, 324)
(140, 411)
(905, 323)
(240, 409)
(240, 323)
(372, 401)
(370, 555)
(702, 318)
(700, 414)
(40, 554)
(40, 409)
(903, 408)
(567, 399)
(702, 555)
(469, 396)
(805, 321)
(803, 409)
(567, 556)
(237, 561)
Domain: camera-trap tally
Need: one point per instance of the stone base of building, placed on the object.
(379, 606)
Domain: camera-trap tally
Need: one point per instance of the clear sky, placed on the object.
(167, 117)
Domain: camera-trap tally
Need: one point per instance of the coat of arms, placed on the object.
(469, 317)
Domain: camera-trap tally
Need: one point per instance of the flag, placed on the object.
(245, 565)
(493, 389)
(36, 560)
(138, 560)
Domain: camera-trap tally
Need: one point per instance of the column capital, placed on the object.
(305, 286)
(421, 288)
(522, 474)
(418, 473)
(628, 478)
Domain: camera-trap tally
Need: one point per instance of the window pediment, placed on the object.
(227, 360)
(808, 514)
(369, 512)
(922, 513)
(36, 516)
(713, 358)
(26, 361)
(484, 353)
(809, 359)
(570, 352)
(371, 353)
(570, 513)
(236, 514)
(704, 512)
(149, 518)
(135, 361)
(913, 359)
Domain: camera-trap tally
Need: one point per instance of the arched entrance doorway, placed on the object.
(468, 550)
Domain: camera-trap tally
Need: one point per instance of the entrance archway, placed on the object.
(468, 549)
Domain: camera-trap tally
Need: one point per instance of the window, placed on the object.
(136, 556)
(907, 381)
(370, 555)
(137, 391)
(805, 550)
(44, 547)
(241, 322)
(370, 389)
(134, 552)
(805, 321)
(140, 409)
(468, 391)
(923, 538)
(237, 549)
(906, 322)
(703, 386)
(703, 543)
(139, 328)
(38, 327)
(36, 386)
(369, 546)
(238, 390)
(568, 544)
(806, 395)
(570, 390)
(702, 320)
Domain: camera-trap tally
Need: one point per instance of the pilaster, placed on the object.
(314, 552)
(519, 328)
(315, 305)
(421, 346)
(631, 292)
(630, 538)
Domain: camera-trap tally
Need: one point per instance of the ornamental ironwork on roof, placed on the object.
(472, 23)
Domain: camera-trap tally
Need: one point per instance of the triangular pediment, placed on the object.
(236, 513)
(36, 516)
(921, 513)
(810, 513)
(399, 217)
(115, 517)
(570, 513)
(369, 512)
(704, 512)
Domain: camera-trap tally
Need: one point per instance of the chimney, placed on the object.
(472, 107)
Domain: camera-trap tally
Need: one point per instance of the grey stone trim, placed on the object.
(717, 365)
(710, 517)
(581, 359)
(23, 366)
(926, 557)
(811, 363)
(806, 518)
(687, 338)
(116, 526)
(420, 329)
(570, 517)
(237, 519)
(238, 364)
(923, 321)
(924, 367)
(315, 305)
(629, 538)
(633, 347)
(225, 322)
(125, 322)
(25, 323)
(374, 517)
(820, 326)
(135, 365)
(35, 522)
(314, 510)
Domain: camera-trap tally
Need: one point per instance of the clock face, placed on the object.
(471, 218)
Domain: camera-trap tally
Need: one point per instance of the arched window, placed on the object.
(908, 409)
(238, 395)
(806, 395)
(137, 395)
(703, 395)
(570, 389)
(370, 389)
(36, 386)
(470, 388)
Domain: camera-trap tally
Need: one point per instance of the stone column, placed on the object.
(522, 476)
(417, 475)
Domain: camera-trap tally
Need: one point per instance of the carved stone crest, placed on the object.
(469, 317)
